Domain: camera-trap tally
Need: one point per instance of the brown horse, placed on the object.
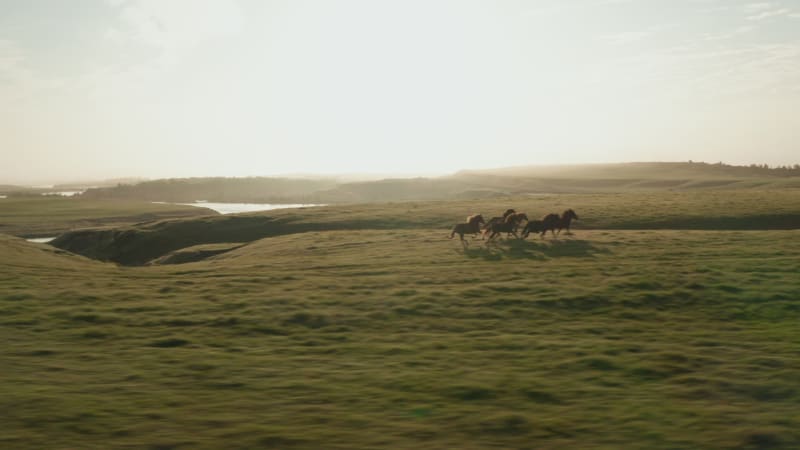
(471, 226)
(495, 220)
(548, 222)
(533, 226)
(510, 225)
(565, 220)
(551, 222)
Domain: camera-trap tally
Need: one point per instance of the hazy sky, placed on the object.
(154, 88)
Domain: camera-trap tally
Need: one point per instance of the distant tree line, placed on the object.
(751, 170)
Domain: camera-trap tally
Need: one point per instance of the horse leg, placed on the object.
(453, 233)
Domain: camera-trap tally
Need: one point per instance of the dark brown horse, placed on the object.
(548, 222)
(551, 222)
(533, 226)
(471, 226)
(565, 220)
(510, 225)
(494, 220)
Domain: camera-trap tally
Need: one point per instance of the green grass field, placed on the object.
(360, 329)
(710, 210)
(53, 215)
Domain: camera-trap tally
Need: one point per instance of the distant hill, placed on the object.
(472, 184)
(218, 189)
(643, 170)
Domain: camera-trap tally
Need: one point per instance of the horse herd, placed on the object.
(510, 223)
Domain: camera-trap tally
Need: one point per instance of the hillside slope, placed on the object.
(398, 338)
(706, 210)
(53, 215)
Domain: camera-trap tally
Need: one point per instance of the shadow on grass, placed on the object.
(534, 249)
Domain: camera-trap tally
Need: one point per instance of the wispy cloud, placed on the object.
(744, 29)
(765, 10)
(769, 13)
(625, 37)
(17, 80)
(168, 30)
(557, 8)
(754, 70)
(759, 6)
(177, 25)
(11, 61)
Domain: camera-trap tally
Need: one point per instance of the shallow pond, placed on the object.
(233, 208)
(42, 240)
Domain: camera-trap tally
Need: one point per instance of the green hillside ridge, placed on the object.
(709, 210)
(195, 253)
(53, 215)
(21, 253)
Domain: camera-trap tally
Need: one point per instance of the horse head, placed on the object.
(570, 214)
(476, 219)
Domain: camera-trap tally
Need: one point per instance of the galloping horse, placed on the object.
(565, 220)
(533, 226)
(509, 226)
(471, 226)
(495, 220)
(550, 222)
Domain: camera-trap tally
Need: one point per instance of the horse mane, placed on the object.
(515, 217)
(509, 212)
(474, 218)
(569, 213)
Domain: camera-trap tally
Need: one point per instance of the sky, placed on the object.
(98, 89)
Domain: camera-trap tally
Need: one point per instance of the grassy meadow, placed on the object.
(31, 216)
(667, 320)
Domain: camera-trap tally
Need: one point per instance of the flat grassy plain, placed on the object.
(396, 337)
(53, 215)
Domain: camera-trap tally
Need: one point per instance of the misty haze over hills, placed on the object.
(467, 184)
